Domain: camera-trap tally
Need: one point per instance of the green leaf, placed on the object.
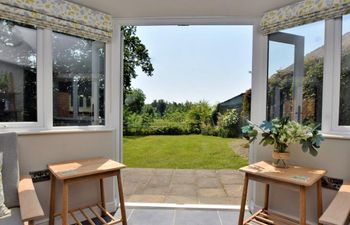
(266, 125)
(305, 147)
(313, 151)
(245, 129)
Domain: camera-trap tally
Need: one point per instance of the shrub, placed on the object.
(209, 130)
(167, 130)
(228, 124)
(157, 127)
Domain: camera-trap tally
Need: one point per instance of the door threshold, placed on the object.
(182, 206)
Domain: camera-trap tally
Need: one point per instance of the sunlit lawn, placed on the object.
(183, 152)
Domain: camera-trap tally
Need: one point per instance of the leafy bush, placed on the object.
(164, 118)
(167, 130)
(229, 119)
(228, 124)
(198, 115)
(210, 130)
(138, 126)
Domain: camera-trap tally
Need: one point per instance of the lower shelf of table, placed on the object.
(264, 217)
(96, 211)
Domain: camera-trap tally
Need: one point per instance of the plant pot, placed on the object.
(280, 159)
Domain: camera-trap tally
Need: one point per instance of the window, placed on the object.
(344, 100)
(295, 73)
(18, 72)
(78, 77)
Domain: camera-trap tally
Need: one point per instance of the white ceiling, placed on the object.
(183, 8)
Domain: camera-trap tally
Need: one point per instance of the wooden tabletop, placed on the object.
(79, 168)
(293, 174)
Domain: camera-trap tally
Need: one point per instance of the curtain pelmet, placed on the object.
(59, 15)
(303, 12)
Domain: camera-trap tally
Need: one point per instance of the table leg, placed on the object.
(267, 195)
(64, 213)
(52, 200)
(319, 200)
(243, 200)
(302, 205)
(103, 200)
(121, 198)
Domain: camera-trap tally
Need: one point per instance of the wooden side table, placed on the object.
(85, 170)
(294, 177)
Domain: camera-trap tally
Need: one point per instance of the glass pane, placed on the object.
(282, 83)
(17, 73)
(344, 104)
(280, 80)
(78, 79)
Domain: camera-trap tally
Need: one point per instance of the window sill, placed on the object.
(338, 136)
(24, 132)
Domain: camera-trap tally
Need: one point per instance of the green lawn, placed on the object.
(183, 152)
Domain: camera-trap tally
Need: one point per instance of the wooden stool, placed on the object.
(85, 170)
(294, 178)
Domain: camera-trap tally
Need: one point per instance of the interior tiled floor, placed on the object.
(182, 186)
(154, 216)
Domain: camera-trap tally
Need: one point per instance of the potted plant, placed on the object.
(280, 133)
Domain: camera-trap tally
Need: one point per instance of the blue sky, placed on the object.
(196, 62)
(282, 55)
(210, 62)
(346, 24)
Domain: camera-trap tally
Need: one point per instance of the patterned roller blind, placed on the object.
(59, 15)
(303, 12)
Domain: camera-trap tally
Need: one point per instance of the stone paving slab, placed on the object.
(166, 216)
(182, 186)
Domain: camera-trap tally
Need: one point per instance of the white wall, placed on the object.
(36, 151)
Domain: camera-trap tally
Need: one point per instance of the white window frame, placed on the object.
(336, 71)
(45, 94)
(298, 71)
(298, 96)
(331, 80)
(39, 89)
(107, 101)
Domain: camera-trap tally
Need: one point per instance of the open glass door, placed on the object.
(285, 76)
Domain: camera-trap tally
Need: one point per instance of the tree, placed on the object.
(134, 100)
(135, 54)
(160, 106)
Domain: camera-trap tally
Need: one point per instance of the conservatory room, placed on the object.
(66, 69)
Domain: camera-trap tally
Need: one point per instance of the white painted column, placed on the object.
(258, 99)
(47, 70)
(116, 95)
(95, 83)
(117, 88)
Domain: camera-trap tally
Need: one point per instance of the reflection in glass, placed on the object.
(18, 78)
(344, 104)
(286, 91)
(78, 81)
(280, 80)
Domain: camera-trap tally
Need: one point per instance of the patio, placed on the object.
(182, 186)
